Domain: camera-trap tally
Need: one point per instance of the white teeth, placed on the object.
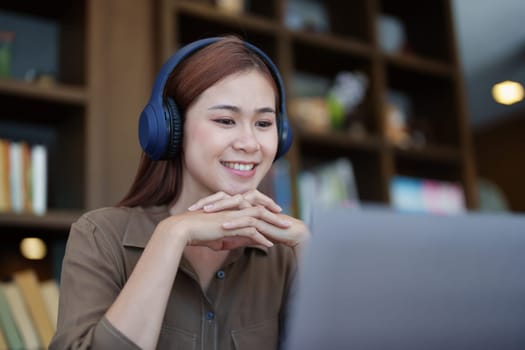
(239, 166)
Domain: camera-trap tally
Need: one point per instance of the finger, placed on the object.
(270, 231)
(208, 200)
(262, 213)
(231, 202)
(257, 198)
(251, 233)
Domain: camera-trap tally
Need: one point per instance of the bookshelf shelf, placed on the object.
(59, 93)
(332, 42)
(53, 220)
(339, 139)
(430, 152)
(419, 64)
(210, 13)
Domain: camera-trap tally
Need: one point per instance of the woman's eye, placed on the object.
(224, 121)
(264, 123)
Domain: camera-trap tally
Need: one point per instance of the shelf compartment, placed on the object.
(326, 63)
(365, 164)
(427, 27)
(433, 102)
(69, 18)
(59, 127)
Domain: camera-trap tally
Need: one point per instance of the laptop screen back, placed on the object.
(373, 279)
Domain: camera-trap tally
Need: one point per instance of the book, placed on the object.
(28, 283)
(3, 342)
(420, 195)
(21, 316)
(5, 201)
(38, 179)
(331, 184)
(50, 292)
(8, 325)
(16, 170)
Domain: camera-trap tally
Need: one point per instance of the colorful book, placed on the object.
(7, 323)
(21, 316)
(50, 292)
(16, 171)
(39, 179)
(28, 283)
(331, 184)
(5, 201)
(3, 342)
(420, 195)
(26, 176)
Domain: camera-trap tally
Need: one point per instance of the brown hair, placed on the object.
(160, 182)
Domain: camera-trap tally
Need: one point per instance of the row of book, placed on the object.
(333, 184)
(23, 177)
(28, 312)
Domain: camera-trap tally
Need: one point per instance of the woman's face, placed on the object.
(230, 136)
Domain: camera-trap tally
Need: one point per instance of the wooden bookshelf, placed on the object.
(93, 107)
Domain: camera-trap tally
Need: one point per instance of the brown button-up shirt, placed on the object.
(243, 308)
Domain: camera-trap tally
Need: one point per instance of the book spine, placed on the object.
(39, 179)
(16, 177)
(5, 195)
(7, 322)
(21, 316)
(28, 283)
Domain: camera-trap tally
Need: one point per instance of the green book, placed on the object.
(7, 322)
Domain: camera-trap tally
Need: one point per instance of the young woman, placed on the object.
(194, 257)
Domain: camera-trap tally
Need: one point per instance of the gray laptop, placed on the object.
(374, 279)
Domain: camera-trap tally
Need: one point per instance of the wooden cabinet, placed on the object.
(425, 70)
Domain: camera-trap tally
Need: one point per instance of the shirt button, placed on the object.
(220, 274)
(210, 315)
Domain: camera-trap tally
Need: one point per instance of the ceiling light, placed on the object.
(508, 92)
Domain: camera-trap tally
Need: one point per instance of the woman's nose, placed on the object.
(246, 140)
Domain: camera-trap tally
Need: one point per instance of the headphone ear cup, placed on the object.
(285, 137)
(174, 122)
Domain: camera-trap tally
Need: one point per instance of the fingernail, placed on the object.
(227, 225)
(269, 244)
(279, 208)
(193, 207)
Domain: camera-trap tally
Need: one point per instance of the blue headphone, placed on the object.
(160, 123)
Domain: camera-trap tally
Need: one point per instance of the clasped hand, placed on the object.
(222, 221)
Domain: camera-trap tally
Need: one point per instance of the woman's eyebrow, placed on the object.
(227, 107)
(238, 110)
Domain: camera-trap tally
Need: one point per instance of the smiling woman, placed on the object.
(163, 268)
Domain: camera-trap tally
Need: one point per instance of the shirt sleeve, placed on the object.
(91, 279)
